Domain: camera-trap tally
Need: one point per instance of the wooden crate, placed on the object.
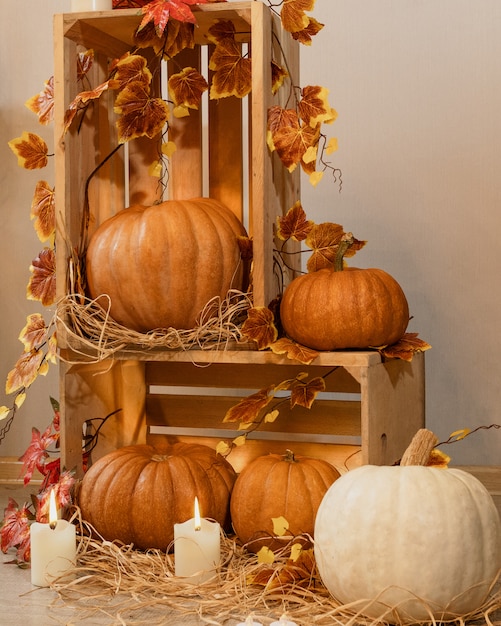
(371, 408)
(221, 149)
(368, 414)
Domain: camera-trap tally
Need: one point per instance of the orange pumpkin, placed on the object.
(160, 265)
(137, 493)
(274, 486)
(352, 308)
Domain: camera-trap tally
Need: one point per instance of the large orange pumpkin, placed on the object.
(274, 486)
(161, 264)
(350, 308)
(137, 493)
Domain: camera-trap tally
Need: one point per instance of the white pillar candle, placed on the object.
(53, 548)
(91, 5)
(197, 548)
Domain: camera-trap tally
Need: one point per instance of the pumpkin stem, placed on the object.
(289, 456)
(420, 448)
(344, 245)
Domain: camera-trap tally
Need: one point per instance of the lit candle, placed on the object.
(91, 5)
(53, 547)
(283, 622)
(197, 547)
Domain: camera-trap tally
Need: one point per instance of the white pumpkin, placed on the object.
(408, 543)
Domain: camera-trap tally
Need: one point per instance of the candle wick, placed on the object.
(198, 528)
(52, 525)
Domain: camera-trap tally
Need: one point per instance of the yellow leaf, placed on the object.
(168, 148)
(155, 169)
(265, 555)
(270, 417)
(223, 448)
(460, 434)
(296, 550)
(180, 111)
(310, 155)
(280, 526)
(4, 412)
(20, 398)
(245, 425)
(315, 178)
(44, 368)
(240, 440)
(331, 146)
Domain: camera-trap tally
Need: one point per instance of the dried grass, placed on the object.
(137, 588)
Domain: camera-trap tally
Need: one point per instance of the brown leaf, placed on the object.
(291, 140)
(304, 36)
(131, 68)
(43, 103)
(405, 348)
(260, 327)
(221, 30)
(186, 87)
(294, 351)
(324, 240)
(245, 245)
(31, 151)
(140, 114)
(85, 61)
(232, 72)
(248, 409)
(278, 75)
(82, 99)
(293, 15)
(304, 393)
(43, 210)
(34, 334)
(286, 575)
(438, 459)
(42, 284)
(294, 224)
(24, 372)
(314, 108)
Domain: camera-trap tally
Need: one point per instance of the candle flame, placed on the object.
(198, 522)
(52, 509)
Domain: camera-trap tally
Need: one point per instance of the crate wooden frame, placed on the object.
(372, 407)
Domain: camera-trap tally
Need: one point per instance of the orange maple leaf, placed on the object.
(129, 69)
(186, 87)
(294, 225)
(141, 115)
(247, 410)
(294, 351)
(304, 36)
(293, 16)
(42, 284)
(24, 372)
(43, 210)
(31, 151)
(85, 60)
(83, 98)
(304, 393)
(34, 333)
(314, 107)
(43, 103)
(232, 72)
(160, 11)
(405, 348)
(260, 327)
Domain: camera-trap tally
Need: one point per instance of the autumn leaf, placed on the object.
(405, 348)
(43, 103)
(141, 115)
(160, 11)
(131, 68)
(324, 240)
(260, 327)
(294, 224)
(83, 98)
(186, 87)
(304, 394)
(438, 459)
(177, 36)
(31, 151)
(85, 60)
(294, 351)
(33, 457)
(220, 30)
(34, 333)
(24, 371)
(305, 35)
(42, 284)
(15, 531)
(43, 210)
(296, 571)
(280, 526)
(293, 16)
(232, 72)
(290, 139)
(314, 107)
(248, 409)
(245, 245)
(278, 76)
(265, 555)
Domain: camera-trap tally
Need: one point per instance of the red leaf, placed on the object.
(15, 532)
(160, 11)
(36, 453)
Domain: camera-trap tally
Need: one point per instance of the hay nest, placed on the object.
(91, 332)
(134, 588)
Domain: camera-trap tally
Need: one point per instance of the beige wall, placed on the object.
(417, 87)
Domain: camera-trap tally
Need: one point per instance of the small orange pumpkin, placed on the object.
(137, 493)
(274, 486)
(160, 265)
